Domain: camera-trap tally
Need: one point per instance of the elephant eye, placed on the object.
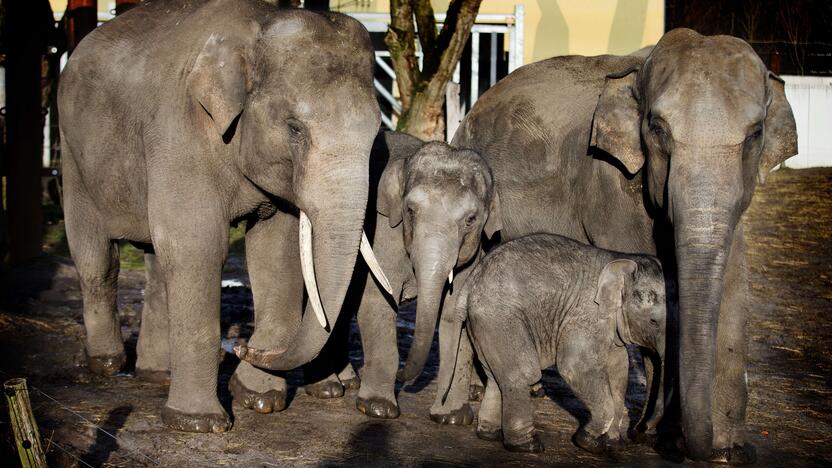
(296, 129)
(755, 134)
(470, 220)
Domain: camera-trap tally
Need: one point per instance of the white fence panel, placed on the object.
(811, 101)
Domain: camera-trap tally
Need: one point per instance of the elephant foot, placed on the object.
(375, 407)
(352, 384)
(458, 417)
(489, 434)
(598, 445)
(265, 403)
(106, 365)
(744, 454)
(537, 390)
(476, 392)
(532, 446)
(155, 376)
(198, 422)
(650, 439)
(325, 389)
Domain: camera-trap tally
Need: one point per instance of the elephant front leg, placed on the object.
(731, 384)
(192, 255)
(153, 350)
(377, 322)
(273, 263)
(585, 370)
(618, 364)
(455, 410)
(320, 376)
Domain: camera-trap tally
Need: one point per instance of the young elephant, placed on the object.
(545, 299)
(434, 203)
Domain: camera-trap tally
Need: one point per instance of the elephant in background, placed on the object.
(433, 203)
(542, 300)
(651, 155)
(186, 116)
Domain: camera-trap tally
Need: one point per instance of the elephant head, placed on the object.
(706, 121)
(291, 95)
(444, 198)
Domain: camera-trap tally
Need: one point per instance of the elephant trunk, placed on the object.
(434, 257)
(330, 234)
(703, 223)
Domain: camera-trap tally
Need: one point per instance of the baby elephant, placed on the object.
(546, 300)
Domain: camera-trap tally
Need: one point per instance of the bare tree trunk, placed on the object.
(422, 90)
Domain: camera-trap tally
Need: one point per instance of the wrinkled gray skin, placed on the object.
(179, 117)
(433, 204)
(562, 303)
(667, 165)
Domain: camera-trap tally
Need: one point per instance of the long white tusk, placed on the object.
(370, 258)
(451, 277)
(307, 267)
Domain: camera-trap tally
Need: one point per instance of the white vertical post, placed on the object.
(454, 113)
(475, 67)
(517, 39)
(492, 72)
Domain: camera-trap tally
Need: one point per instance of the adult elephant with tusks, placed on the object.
(179, 117)
(656, 154)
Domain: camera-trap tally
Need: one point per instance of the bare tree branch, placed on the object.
(426, 24)
(400, 41)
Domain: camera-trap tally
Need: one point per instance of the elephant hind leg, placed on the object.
(489, 419)
(96, 259)
(153, 348)
(511, 359)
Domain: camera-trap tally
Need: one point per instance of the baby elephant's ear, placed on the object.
(389, 201)
(495, 221)
(610, 292)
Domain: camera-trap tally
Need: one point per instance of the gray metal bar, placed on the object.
(388, 96)
(383, 65)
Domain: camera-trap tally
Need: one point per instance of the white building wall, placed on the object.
(811, 101)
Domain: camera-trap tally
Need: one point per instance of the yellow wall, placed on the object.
(560, 27)
(553, 27)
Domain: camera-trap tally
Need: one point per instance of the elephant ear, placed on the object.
(218, 81)
(780, 130)
(610, 294)
(389, 202)
(494, 222)
(616, 123)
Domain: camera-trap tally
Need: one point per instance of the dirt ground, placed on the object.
(789, 230)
